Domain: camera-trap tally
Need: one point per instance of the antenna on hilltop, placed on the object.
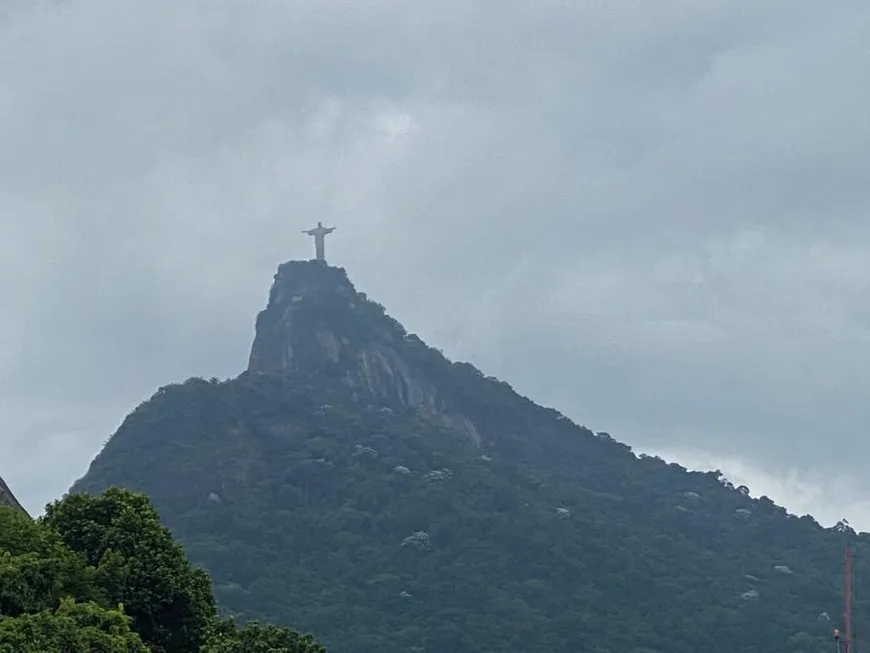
(844, 642)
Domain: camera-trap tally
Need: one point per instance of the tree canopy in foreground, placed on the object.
(102, 574)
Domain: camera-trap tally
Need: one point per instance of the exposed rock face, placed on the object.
(317, 321)
(7, 498)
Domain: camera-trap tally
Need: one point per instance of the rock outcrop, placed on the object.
(317, 321)
(7, 498)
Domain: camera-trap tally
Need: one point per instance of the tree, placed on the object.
(138, 565)
(72, 628)
(36, 568)
(257, 638)
(100, 574)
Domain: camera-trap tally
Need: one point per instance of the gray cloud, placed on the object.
(649, 215)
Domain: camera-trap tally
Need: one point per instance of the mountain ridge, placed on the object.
(356, 483)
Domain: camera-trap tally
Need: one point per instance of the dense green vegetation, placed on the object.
(359, 485)
(100, 574)
(303, 504)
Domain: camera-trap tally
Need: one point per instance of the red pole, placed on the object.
(847, 602)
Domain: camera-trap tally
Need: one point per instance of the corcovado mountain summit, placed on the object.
(355, 483)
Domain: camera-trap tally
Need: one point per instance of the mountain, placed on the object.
(7, 498)
(355, 483)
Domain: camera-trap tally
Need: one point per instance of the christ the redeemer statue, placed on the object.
(319, 233)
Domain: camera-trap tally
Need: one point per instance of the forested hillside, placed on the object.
(363, 487)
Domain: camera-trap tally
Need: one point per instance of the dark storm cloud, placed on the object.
(649, 215)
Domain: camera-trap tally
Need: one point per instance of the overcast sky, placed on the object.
(652, 216)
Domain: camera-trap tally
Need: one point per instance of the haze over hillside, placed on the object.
(356, 483)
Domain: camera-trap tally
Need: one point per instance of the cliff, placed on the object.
(317, 321)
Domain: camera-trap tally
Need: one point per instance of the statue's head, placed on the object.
(319, 223)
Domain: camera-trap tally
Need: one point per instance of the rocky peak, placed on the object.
(315, 319)
(7, 498)
(317, 322)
